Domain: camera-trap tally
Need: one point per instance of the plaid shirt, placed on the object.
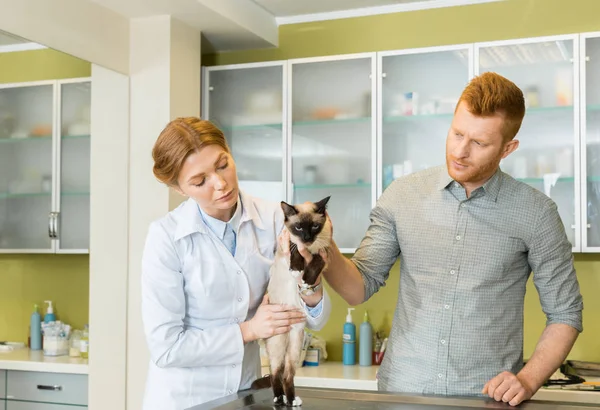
(465, 263)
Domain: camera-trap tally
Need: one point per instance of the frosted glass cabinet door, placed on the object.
(592, 139)
(247, 104)
(546, 155)
(25, 167)
(331, 141)
(419, 95)
(73, 228)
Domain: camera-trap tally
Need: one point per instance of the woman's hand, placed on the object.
(271, 320)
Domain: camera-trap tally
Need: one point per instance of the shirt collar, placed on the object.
(491, 187)
(190, 220)
(218, 226)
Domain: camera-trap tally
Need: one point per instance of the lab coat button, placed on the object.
(233, 366)
(239, 299)
(239, 272)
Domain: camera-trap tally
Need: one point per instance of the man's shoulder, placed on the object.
(420, 181)
(521, 193)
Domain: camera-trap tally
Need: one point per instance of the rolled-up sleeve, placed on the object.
(551, 260)
(171, 343)
(379, 249)
(318, 316)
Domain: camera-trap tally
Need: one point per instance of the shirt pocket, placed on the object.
(498, 254)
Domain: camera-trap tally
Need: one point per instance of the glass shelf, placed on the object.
(8, 195)
(332, 186)
(74, 137)
(26, 139)
(541, 180)
(227, 128)
(332, 121)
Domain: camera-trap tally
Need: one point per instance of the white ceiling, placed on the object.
(285, 8)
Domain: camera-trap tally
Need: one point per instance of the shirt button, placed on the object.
(236, 320)
(440, 375)
(239, 299)
(458, 237)
(445, 307)
(239, 272)
(443, 341)
(452, 272)
(463, 205)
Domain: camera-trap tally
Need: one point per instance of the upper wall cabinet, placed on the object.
(247, 103)
(44, 167)
(419, 91)
(332, 131)
(546, 70)
(590, 132)
(342, 131)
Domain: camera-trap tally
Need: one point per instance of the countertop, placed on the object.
(334, 375)
(336, 399)
(34, 360)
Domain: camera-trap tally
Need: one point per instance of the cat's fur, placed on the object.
(308, 225)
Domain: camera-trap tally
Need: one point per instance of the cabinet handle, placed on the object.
(50, 224)
(53, 388)
(55, 229)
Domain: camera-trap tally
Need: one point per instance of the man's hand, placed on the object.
(508, 388)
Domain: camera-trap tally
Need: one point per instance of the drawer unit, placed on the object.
(22, 405)
(59, 388)
(2, 386)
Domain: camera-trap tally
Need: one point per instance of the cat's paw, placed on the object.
(297, 402)
(279, 401)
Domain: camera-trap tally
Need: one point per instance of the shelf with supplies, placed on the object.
(373, 117)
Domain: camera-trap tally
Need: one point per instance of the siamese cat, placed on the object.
(308, 226)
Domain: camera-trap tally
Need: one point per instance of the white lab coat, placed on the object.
(195, 294)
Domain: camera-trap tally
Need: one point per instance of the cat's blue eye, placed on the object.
(299, 229)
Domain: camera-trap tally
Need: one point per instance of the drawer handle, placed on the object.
(53, 388)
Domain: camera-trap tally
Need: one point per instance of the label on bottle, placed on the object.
(347, 338)
(83, 346)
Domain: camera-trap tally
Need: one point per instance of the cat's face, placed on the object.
(305, 221)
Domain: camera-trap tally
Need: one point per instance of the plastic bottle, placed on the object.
(349, 339)
(365, 346)
(84, 343)
(49, 316)
(35, 327)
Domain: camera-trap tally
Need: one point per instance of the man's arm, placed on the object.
(357, 279)
(344, 277)
(552, 349)
(551, 260)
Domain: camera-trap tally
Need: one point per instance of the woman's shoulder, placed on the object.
(268, 211)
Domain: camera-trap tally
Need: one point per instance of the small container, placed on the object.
(74, 344)
(349, 340)
(84, 343)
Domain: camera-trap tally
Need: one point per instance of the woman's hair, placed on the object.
(177, 141)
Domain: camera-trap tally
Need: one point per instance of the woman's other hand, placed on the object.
(271, 320)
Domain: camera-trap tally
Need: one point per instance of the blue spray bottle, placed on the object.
(365, 353)
(36, 329)
(349, 339)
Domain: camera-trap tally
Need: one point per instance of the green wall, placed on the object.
(28, 279)
(450, 25)
(456, 25)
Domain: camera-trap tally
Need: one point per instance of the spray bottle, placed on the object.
(349, 339)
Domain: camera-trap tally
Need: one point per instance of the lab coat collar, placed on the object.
(189, 220)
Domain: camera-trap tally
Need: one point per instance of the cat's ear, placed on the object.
(322, 205)
(288, 210)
